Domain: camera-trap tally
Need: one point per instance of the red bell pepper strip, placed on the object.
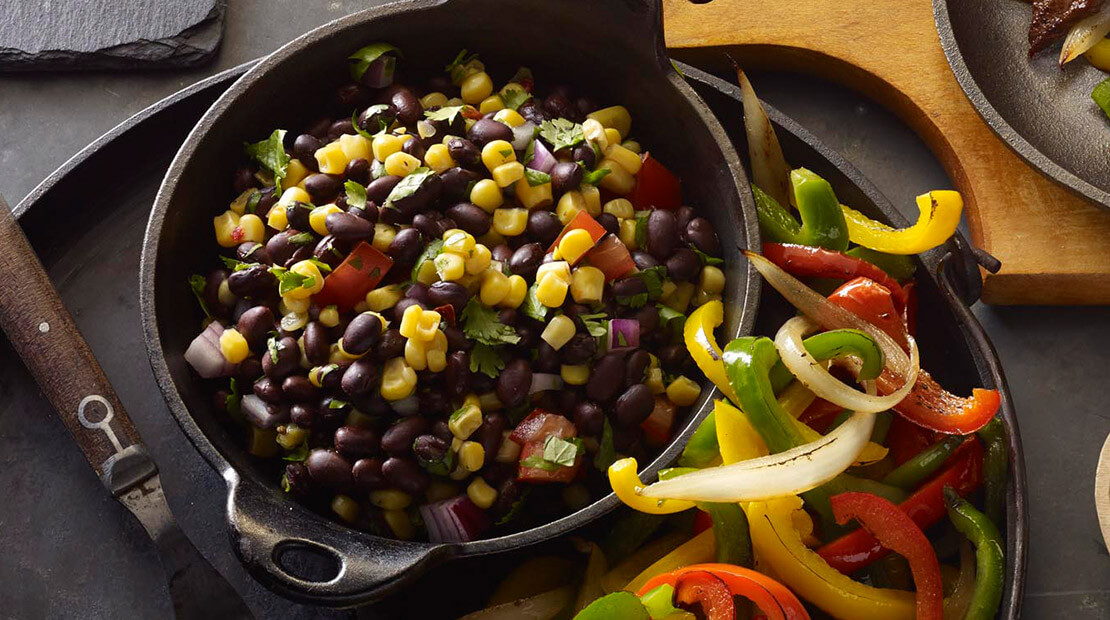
(874, 303)
(775, 600)
(899, 533)
(612, 257)
(906, 440)
(925, 507)
(820, 414)
(356, 276)
(909, 314)
(702, 521)
(584, 221)
(657, 427)
(809, 261)
(656, 187)
(707, 590)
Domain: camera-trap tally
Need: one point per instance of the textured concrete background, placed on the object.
(1055, 359)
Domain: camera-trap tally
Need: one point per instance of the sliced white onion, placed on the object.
(543, 382)
(293, 321)
(263, 415)
(776, 475)
(539, 607)
(407, 406)
(813, 375)
(769, 169)
(523, 134)
(204, 353)
(1085, 34)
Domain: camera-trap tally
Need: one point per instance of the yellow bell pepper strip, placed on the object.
(780, 546)
(940, 214)
(738, 440)
(702, 449)
(1099, 55)
(645, 556)
(697, 550)
(702, 345)
(626, 483)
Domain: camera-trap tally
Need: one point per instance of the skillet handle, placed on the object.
(263, 528)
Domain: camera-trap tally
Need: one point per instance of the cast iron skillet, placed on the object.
(613, 49)
(1043, 112)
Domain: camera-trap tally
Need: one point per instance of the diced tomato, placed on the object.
(611, 257)
(356, 276)
(539, 424)
(657, 427)
(539, 475)
(584, 221)
(447, 312)
(656, 187)
(471, 113)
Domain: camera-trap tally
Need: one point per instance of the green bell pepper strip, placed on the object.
(730, 526)
(702, 447)
(914, 471)
(989, 562)
(900, 268)
(995, 462)
(631, 530)
(823, 224)
(883, 420)
(624, 605)
(660, 602)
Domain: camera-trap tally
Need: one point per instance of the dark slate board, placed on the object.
(108, 34)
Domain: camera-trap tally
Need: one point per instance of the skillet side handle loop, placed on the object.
(642, 24)
(263, 529)
(962, 270)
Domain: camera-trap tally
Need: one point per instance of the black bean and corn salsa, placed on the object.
(444, 312)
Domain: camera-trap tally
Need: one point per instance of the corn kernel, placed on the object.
(239, 205)
(312, 283)
(472, 399)
(479, 261)
(616, 117)
(495, 286)
(433, 100)
(291, 304)
(383, 297)
(398, 379)
(619, 180)
(438, 342)
(633, 146)
(390, 499)
(472, 455)
(225, 296)
(487, 195)
(476, 87)
(295, 172)
(612, 136)
(345, 507)
(627, 159)
(427, 273)
(263, 443)
(620, 208)
(226, 225)
(383, 236)
(578, 374)
(234, 346)
(401, 164)
(496, 153)
(592, 195)
(458, 241)
(318, 216)
(559, 330)
(508, 173)
(683, 293)
(355, 146)
(552, 291)
(510, 117)
(491, 239)
(627, 234)
(683, 391)
(400, 524)
(481, 493)
(712, 279)
(416, 355)
(559, 268)
(595, 133)
(575, 244)
(587, 285)
(385, 145)
(411, 322)
(438, 158)
(437, 361)
(329, 316)
(510, 222)
(293, 195)
(330, 158)
(290, 436)
(449, 266)
(508, 451)
(518, 290)
(465, 421)
(569, 205)
(654, 381)
(702, 298)
(533, 196)
(493, 103)
(668, 290)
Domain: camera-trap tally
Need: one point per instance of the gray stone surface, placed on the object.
(108, 34)
(1055, 359)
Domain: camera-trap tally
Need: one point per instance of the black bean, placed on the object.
(672, 358)
(489, 433)
(397, 439)
(448, 294)
(501, 253)
(375, 118)
(531, 112)
(556, 105)
(457, 340)
(393, 217)
(637, 365)
(340, 128)
(585, 105)
(298, 480)
(458, 374)
(378, 189)
(303, 414)
(331, 251)
(644, 260)
(268, 390)
(253, 252)
(609, 222)
(243, 180)
(304, 149)
(508, 316)
(470, 218)
(628, 287)
(405, 475)
(566, 400)
(585, 154)
(565, 176)
(319, 127)
(544, 226)
(487, 130)
(682, 216)
(358, 170)
(254, 281)
(405, 247)
(627, 439)
(355, 442)
(428, 224)
(349, 227)
(367, 474)
(361, 334)
(350, 95)
(589, 418)
(526, 259)
(547, 358)
(700, 233)
(635, 405)
(328, 469)
(415, 148)
(579, 349)
(514, 382)
(648, 318)
(360, 378)
(529, 335)
(303, 252)
(288, 358)
(662, 234)
(407, 105)
(249, 369)
(683, 265)
(316, 346)
(280, 248)
(419, 292)
(422, 198)
(606, 379)
(433, 401)
(298, 388)
(254, 324)
(390, 346)
(432, 453)
(457, 183)
(323, 188)
(464, 152)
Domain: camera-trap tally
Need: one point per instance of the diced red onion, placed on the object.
(454, 520)
(380, 72)
(543, 382)
(261, 414)
(623, 334)
(542, 159)
(523, 134)
(204, 354)
(407, 406)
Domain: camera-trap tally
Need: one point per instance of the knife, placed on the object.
(43, 333)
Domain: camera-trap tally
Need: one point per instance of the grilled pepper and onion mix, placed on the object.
(451, 309)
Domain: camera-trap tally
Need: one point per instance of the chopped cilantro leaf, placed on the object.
(641, 227)
(538, 462)
(594, 177)
(372, 110)
(198, 283)
(532, 306)
(513, 98)
(486, 360)
(669, 316)
(271, 154)
(515, 509)
(408, 186)
(593, 323)
(356, 194)
(356, 262)
(235, 265)
(480, 324)
(252, 202)
(536, 177)
(506, 152)
(457, 68)
(606, 453)
(448, 113)
(431, 251)
(529, 154)
(291, 280)
(705, 258)
(304, 238)
(233, 401)
(274, 349)
(561, 133)
(561, 451)
(298, 454)
(336, 403)
(653, 279)
(634, 301)
(363, 57)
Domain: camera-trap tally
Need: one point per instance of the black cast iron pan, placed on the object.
(1043, 112)
(613, 49)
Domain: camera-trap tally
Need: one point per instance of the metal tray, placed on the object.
(86, 222)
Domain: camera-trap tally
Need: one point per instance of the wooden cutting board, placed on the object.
(1054, 246)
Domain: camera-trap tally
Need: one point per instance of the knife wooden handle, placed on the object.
(43, 333)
